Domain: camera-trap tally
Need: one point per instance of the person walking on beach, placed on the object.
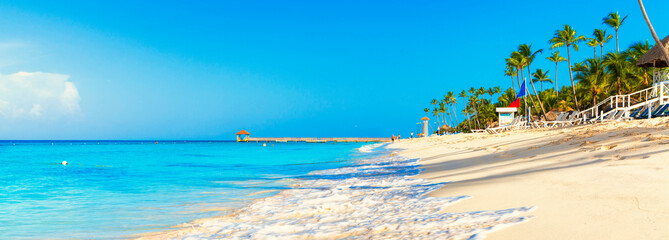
(398, 137)
(411, 134)
(393, 138)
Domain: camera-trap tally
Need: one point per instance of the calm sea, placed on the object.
(115, 189)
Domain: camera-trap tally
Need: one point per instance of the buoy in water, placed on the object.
(64, 163)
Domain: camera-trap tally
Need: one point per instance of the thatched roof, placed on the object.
(654, 55)
(425, 118)
(243, 132)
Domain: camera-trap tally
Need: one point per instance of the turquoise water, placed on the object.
(118, 189)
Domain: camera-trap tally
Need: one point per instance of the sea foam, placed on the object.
(375, 198)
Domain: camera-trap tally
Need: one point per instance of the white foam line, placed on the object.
(376, 199)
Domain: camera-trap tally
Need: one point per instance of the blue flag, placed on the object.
(521, 93)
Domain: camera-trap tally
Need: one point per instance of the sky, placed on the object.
(132, 70)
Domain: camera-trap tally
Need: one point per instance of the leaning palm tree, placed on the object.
(613, 20)
(567, 38)
(600, 35)
(616, 63)
(594, 44)
(540, 76)
(556, 58)
(652, 32)
(526, 51)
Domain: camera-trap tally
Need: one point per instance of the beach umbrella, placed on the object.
(654, 55)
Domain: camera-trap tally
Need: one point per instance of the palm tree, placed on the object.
(556, 58)
(600, 35)
(498, 90)
(511, 73)
(453, 103)
(635, 52)
(652, 31)
(435, 102)
(473, 98)
(513, 63)
(616, 63)
(593, 43)
(490, 92)
(591, 76)
(427, 110)
(565, 38)
(442, 110)
(520, 61)
(446, 102)
(466, 112)
(613, 20)
(540, 76)
(526, 51)
(435, 113)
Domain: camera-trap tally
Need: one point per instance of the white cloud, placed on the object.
(36, 95)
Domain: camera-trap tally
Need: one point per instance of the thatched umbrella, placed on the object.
(654, 55)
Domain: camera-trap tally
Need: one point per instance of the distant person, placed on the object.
(411, 134)
(393, 138)
(398, 137)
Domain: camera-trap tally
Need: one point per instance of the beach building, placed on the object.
(425, 132)
(243, 136)
(506, 115)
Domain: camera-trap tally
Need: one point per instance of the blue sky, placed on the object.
(204, 70)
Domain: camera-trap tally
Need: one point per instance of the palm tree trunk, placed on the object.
(594, 55)
(476, 111)
(543, 112)
(455, 113)
(617, 48)
(601, 50)
(619, 92)
(469, 121)
(652, 31)
(529, 95)
(573, 87)
(555, 89)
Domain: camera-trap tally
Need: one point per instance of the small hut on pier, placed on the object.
(243, 136)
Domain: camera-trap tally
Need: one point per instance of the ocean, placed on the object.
(118, 189)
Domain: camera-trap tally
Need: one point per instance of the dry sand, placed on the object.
(604, 181)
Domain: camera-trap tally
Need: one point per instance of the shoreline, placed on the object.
(603, 181)
(377, 196)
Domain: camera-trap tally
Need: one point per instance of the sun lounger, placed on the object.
(515, 124)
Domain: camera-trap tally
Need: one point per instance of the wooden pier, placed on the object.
(317, 140)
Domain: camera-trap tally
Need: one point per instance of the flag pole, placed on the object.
(527, 113)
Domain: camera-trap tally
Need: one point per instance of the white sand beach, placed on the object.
(603, 181)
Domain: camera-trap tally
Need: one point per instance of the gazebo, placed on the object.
(653, 58)
(243, 136)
